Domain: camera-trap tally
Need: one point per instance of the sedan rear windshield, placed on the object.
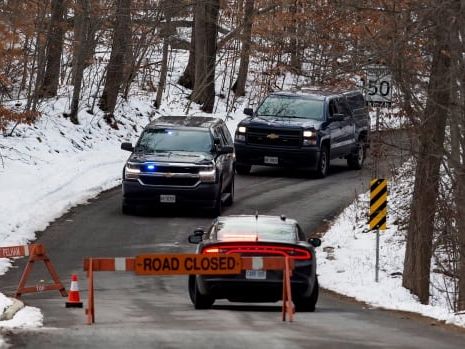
(165, 139)
(248, 230)
(291, 107)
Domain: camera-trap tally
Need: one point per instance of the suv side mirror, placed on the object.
(127, 146)
(315, 242)
(227, 149)
(337, 117)
(196, 236)
(248, 111)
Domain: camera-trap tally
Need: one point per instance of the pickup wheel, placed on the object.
(243, 169)
(355, 160)
(323, 162)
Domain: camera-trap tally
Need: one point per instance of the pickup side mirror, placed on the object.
(337, 117)
(248, 111)
(315, 242)
(225, 150)
(196, 236)
(127, 146)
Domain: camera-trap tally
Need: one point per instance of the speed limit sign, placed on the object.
(378, 86)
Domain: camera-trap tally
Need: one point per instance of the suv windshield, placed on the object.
(291, 107)
(164, 139)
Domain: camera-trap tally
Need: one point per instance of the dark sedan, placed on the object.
(251, 236)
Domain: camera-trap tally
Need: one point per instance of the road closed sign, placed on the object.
(185, 264)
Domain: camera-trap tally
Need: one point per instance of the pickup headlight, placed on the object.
(131, 171)
(241, 129)
(310, 137)
(240, 134)
(208, 175)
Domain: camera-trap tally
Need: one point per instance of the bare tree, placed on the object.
(115, 68)
(206, 30)
(54, 47)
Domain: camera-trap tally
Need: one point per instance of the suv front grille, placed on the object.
(274, 137)
(169, 181)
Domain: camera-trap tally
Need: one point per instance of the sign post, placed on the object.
(378, 85)
(378, 212)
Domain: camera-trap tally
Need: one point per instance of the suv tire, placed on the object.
(323, 162)
(218, 208)
(127, 209)
(355, 160)
(308, 303)
(230, 200)
(243, 169)
(199, 300)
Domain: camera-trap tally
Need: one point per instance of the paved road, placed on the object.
(148, 312)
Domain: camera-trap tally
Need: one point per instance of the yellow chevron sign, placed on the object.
(378, 204)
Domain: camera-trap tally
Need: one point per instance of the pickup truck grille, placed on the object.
(274, 137)
(178, 169)
(169, 181)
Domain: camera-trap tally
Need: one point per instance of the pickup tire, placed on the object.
(243, 169)
(355, 160)
(218, 208)
(323, 162)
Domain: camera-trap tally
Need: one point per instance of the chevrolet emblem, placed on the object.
(272, 136)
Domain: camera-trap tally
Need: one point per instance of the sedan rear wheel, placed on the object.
(308, 303)
(199, 300)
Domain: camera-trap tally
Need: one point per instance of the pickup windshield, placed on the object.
(291, 107)
(164, 139)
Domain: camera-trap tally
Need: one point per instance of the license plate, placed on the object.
(272, 160)
(168, 199)
(255, 274)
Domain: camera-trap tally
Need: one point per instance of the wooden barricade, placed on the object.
(147, 265)
(35, 252)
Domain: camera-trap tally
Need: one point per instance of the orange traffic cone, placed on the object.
(74, 300)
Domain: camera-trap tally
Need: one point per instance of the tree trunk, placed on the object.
(418, 252)
(239, 85)
(206, 29)
(164, 61)
(55, 37)
(188, 77)
(82, 51)
(115, 68)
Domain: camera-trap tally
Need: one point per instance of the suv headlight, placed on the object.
(131, 171)
(208, 175)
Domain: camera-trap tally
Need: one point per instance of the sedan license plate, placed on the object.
(255, 274)
(170, 199)
(272, 160)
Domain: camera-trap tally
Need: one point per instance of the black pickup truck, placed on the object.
(180, 161)
(304, 129)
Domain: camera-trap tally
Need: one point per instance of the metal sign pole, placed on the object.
(377, 257)
(376, 176)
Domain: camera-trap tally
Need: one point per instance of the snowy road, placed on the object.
(142, 312)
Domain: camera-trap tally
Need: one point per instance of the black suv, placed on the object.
(180, 160)
(304, 129)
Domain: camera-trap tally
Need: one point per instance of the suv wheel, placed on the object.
(355, 161)
(127, 209)
(230, 200)
(243, 169)
(199, 300)
(308, 303)
(216, 211)
(323, 162)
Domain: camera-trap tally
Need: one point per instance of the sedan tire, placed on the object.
(200, 301)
